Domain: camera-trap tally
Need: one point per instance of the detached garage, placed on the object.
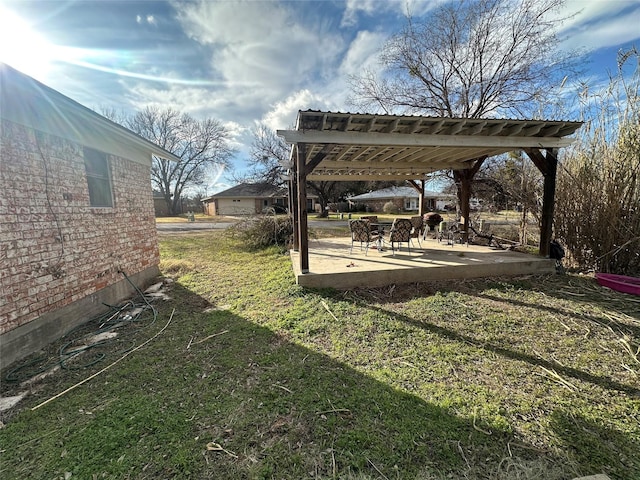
(250, 199)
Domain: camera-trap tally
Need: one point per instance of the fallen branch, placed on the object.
(629, 348)
(377, 470)
(209, 337)
(280, 386)
(216, 447)
(553, 375)
(327, 309)
(486, 432)
(105, 368)
(463, 455)
(526, 447)
(335, 410)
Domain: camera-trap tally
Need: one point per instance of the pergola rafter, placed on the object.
(330, 146)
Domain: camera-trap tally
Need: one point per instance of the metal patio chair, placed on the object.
(418, 226)
(400, 232)
(373, 223)
(361, 232)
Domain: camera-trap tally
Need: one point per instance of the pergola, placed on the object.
(330, 146)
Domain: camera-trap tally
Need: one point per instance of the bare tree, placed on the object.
(269, 156)
(470, 59)
(201, 146)
(512, 176)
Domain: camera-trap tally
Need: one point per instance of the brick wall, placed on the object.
(54, 248)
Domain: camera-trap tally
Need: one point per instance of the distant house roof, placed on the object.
(250, 190)
(26, 101)
(397, 192)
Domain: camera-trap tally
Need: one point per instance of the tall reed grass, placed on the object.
(598, 190)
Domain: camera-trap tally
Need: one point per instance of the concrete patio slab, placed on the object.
(331, 264)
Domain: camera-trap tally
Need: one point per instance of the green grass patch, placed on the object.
(256, 377)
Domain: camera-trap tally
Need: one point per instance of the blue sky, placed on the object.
(243, 62)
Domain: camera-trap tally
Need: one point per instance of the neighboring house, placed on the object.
(405, 198)
(76, 210)
(251, 198)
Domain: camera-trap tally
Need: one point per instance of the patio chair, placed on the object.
(373, 223)
(361, 232)
(418, 227)
(400, 232)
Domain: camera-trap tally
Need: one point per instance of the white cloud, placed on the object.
(601, 23)
(400, 8)
(262, 42)
(363, 52)
(198, 102)
(284, 113)
(354, 7)
(150, 19)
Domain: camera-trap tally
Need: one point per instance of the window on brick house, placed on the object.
(98, 178)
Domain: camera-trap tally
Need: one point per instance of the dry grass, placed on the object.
(598, 193)
(255, 377)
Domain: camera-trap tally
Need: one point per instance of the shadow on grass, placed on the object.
(630, 329)
(603, 382)
(589, 293)
(618, 454)
(217, 396)
(601, 443)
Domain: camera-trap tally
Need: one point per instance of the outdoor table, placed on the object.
(380, 226)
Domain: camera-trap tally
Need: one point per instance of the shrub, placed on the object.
(339, 207)
(264, 231)
(390, 208)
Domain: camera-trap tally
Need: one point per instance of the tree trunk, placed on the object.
(523, 225)
(464, 179)
(419, 187)
(175, 207)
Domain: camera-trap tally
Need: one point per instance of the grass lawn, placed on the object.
(254, 377)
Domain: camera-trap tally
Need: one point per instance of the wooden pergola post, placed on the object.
(302, 169)
(548, 166)
(293, 205)
(303, 229)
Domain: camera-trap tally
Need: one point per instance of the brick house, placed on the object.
(405, 198)
(76, 210)
(250, 199)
